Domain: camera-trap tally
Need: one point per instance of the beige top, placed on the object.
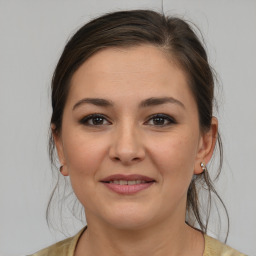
(67, 247)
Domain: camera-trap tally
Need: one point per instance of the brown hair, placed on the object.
(175, 37)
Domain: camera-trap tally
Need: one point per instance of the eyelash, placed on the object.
(171, 120)
(85, 120)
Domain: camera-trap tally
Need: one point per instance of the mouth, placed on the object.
(132, 179)
(127, 184)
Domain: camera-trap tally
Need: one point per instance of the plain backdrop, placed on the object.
(32, 36)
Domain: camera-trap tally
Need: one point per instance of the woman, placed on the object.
(132, 123)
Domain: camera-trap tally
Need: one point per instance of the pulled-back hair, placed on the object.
(176, 38)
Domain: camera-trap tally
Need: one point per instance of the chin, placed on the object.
(129, 224)
(129, 218)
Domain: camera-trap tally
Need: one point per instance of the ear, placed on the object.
(206, 146)
(59, 147)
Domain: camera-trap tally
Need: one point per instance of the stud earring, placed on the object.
(61, 171)
(202, 164)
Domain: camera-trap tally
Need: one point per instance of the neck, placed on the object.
(158, 240)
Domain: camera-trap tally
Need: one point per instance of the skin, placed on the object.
(129, 141)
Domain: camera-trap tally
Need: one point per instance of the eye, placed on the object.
(161, 120)
(94, 120)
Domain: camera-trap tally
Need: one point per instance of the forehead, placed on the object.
(139, 72)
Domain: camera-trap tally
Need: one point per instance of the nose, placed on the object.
(127, 145)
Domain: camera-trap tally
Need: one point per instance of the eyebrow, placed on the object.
(145, 103)
(159, 101)
(95, 101)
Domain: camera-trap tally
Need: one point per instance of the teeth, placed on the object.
(132, 182)
(125, 182)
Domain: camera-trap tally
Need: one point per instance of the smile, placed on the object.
(127, 184)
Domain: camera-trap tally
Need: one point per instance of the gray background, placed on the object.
(33, 34)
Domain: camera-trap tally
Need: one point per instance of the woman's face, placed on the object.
(130, 138)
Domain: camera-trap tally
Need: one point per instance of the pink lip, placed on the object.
(127, 177)
(127, 189)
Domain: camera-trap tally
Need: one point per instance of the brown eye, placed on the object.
(161, 120)
(94, 120)
(97, 120)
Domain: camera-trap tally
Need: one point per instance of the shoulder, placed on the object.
(65, 247)
(214, 247)
(60, 248)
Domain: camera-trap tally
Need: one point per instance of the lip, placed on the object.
(127, 189)
(127, 177)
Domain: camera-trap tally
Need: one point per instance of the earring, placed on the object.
(61, 171)
(61, 167)
(202, 164)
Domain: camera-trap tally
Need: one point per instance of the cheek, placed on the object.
(83, 153)
(175, 157)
